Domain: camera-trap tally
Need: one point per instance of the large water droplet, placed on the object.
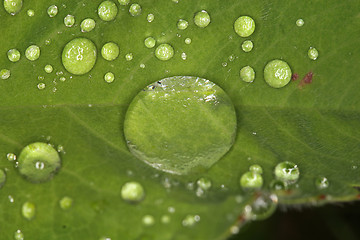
(52, 11)
(87, 25)
(244, 26)
(180, 124)
(110, 51)
(38, 162)
(79, 56)
(18, 235)
(65, 203)
(277, 73)
(135, 10)
(322, 183)
(13, 6)
(164, 52)
(28, 210)
(202, 19)
(107, 10)
(132, 192)
(287, 172)
(251, 180)
(2, 178)
(4, 74)
(313, 53)
(13, 55)
(32, 52)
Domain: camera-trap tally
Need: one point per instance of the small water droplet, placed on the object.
(149, 42)
(11, 157)
(4, 74)
(32, 52)
(135, 9)
(133, 192)
(171, 209)
(13, 55)
(129, 57)
(28, 210)
(105, 238)
(183, 56)
(300, 22)
(251, 181)
(38, 162)
(322, 183)
(52, 11)
(124, 2)
(263, 207)
(87, 25)
(41, 86)
(18, 235)
(109, 77)
(66, 203)
(48, 68)
(244, 26)
(2, 178)
(231, 57)
(150, 17)
(165, 219)
(354, 167)
(182, 24)
(11, 199)
(224, 64)
(63, 79)
(190, 220)
(247, 74)
(313, 53)
(202, 19)
(277, 73)
(107, 10)
(247, 46)
(278, 185)
(164, 52)
(204, 183)
(110, 51)
(187, 41)
(234, 230)
(287, 172)
(142, 66)
(69, 20)
(256, 169)
(148, 220)
(13, 6)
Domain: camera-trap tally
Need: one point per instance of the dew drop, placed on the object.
(13, 55)
(65, 203)
(109, 77)
(132, 192)
(41, 86)
(150, 17)
(204, 183)
(69, 20)
(278, 185)
(124, 2)
(263, 207)
(32, 52)
(164, 52)
(244, 26)
(277, 73)
(110, 51)
(182, 24)
(300, 22)
(30, 13)
(202, 19)
(2, 178)
(322, 183)
(52, 11)
(148, 220)
(190, 145)
(142, 66)
(135, 9)
(87, 25)
(48, 68)
(183, 56)
(28, 210)
(247, 46)
(11, 157)
(129, 57)
(79, 56)
(107, 10)
(190, 220)
(224, 64)
(18, 235)
(256, 169)
(63, 79)
(165, 219)
(187, 41)
(251, 180)
(287, 172)
(38, 162)
(11, 199)
(5, 74)
(13, 6)
(313, 53)
(149, 42)
(247, 74)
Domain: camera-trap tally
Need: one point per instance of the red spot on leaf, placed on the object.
(306, 80)
(322, 197)
(294, 77)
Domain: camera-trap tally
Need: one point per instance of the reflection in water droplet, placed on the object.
(251, 180)
(244, 26)
(18, 235)
(69, 20)
(313, 53)
(109, 77)
(322, 183)
(65, 203)
(148, 220)
(52, 11)
(13, 55)
(202, 19)
(28, 210)
(135, 10)
(11, 157)
(13, 6)
(132, 192)
(277, 73)
(87, 25)
(32, 52)
(287, 172)
(150, 17)
(2, 178)
(107, 10)
(38, 162)
(4, 74)
(192, 144)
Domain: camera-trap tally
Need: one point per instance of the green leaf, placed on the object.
(316, 126)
